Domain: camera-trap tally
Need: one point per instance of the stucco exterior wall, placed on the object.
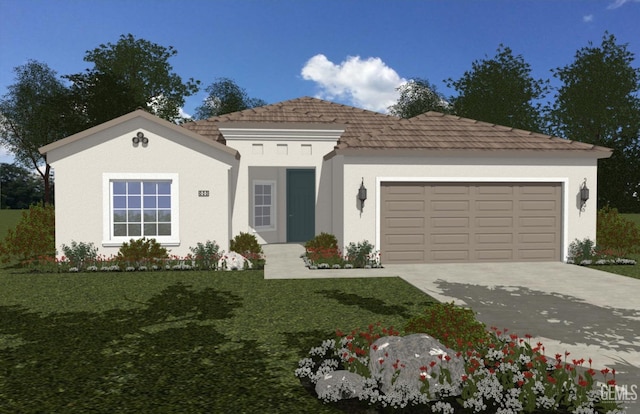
(80, 197)
(269, 159)
(571, 172)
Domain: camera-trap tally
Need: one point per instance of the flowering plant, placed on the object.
(503, 374)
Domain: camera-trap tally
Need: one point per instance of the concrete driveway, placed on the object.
(586, 312)
(589, 313)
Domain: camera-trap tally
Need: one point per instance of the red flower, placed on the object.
(520, 383)
(605, 371)
(611, 382)
(432, 364)
(528, 374)
(464, 378)
(551, 379)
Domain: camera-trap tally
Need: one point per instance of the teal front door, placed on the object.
(301, 205)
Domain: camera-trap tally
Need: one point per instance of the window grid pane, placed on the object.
(262, 205)
(129, 198)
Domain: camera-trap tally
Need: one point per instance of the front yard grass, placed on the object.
(177, 341)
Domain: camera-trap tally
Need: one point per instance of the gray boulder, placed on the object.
(400, 362)
(340, 385)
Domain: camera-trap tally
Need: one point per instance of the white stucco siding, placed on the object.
(570, 172)
(83, 169)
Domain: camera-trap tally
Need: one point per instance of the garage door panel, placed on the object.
(493, 255)
(405, 222)
(494, 205)
(405, 239)
(492, 190)
(466, 222)
(539, 222)
(547, 205)
(462, 205)
(494, 222)
(450, 255)
(455, 222)
(537, 238)
(489, 238)
(406, 205)
(446, 238)
(450, 189)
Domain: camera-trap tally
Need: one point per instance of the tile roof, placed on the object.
(375, 131)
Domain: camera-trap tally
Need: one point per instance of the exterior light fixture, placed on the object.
(140, 138)
(584, 194)
(362, 194)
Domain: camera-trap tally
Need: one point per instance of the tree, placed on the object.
(225, 96)
(500, 91)
(19, 188)
(130, 74)
(36, 111)
(598, 103)
(418, 96)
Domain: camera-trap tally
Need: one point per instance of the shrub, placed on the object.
(142, 251)
(359, 254)
(206, 255)
(454, 326)
(582, 251)
(322, 241)
(247, 245)
(33, 237)
(329, 256)
(617, 234)
(79, 254)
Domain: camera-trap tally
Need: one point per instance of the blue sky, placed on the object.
(353, 52)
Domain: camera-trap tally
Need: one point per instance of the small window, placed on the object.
(263, 204)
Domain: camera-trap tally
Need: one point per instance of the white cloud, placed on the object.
(365, 83)
(588, 18)
(620, 3)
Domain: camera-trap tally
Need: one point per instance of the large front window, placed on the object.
(140, 205)
(141, 208)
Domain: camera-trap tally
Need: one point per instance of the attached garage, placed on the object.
(429, 222)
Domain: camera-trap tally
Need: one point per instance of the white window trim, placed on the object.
(272, 183)
(564, 213)
(108, 239)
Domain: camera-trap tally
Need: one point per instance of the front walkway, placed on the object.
(586, 312)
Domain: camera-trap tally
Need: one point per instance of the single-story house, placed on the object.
(439, 188)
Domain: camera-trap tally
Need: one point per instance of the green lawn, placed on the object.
(183, 342)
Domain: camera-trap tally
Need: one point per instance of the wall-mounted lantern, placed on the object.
(362, 194)
(584, 194)
(140, 138)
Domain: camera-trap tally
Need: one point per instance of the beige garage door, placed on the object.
(470, 222)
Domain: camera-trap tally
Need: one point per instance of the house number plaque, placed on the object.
(203, 193)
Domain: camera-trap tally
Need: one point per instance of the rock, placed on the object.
(233, 261)
(340, 385)
(403, 361)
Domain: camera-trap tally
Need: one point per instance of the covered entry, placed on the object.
(428, 222)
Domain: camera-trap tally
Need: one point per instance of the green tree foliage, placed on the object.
(417, 97)
(225, 96)
(18, 187)
(598, 103)
(130, 74)
(616, 234)
(500, 91)
(33, 238)
(36, 111)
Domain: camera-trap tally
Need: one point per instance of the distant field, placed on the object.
(632, 217)
(8, 220)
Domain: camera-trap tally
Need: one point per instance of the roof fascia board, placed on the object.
(280, 134)
(597, 152)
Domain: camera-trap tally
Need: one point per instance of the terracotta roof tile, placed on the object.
(371, 130)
